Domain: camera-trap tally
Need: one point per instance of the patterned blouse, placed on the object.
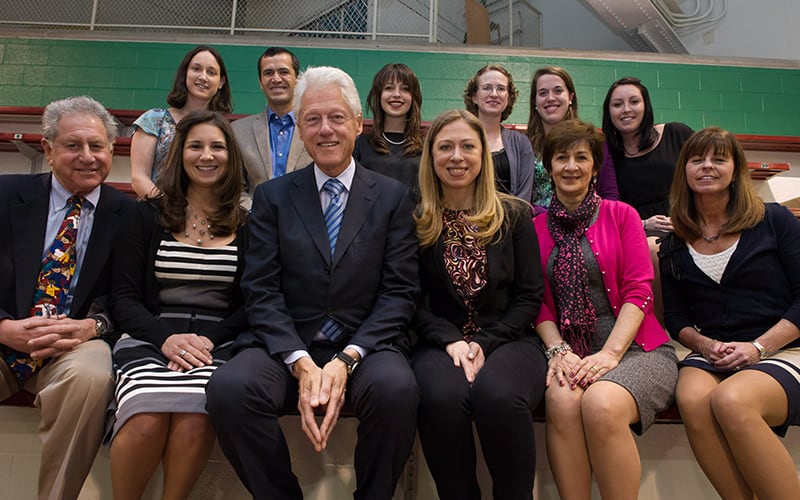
(465, 261)
(159, 123)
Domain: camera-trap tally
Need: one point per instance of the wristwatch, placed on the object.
(100, 326)
(348, 360)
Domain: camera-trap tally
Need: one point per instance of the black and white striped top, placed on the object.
(198, 277)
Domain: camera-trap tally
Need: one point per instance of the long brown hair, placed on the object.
(222, 100)
(647, 132)
(403, 74)
(489, 210)
(745, 209)
(535, 126)
(174, 183)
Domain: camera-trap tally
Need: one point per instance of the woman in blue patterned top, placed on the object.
(201, 82)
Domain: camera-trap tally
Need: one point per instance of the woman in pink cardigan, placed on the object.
(610, 369)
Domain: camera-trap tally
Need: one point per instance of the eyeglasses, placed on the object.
(500, 89)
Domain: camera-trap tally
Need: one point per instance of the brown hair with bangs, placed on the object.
(745, 209)
(173, 182)
(401, 73)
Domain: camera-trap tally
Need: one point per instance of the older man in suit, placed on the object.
(268, 142)
(57, 236)
(330, 285)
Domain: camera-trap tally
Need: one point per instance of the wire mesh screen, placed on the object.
(434, 21)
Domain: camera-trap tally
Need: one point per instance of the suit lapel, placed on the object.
(359, 204)
(106, 217)
(305, 199)
(29, 222)
(261, 134)
(494, 253)
(298, 158)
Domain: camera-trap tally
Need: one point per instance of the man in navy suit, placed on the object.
(328, 329)
(75, 381)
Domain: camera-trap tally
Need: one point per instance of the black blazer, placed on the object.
(506, 306)
(134, 296)
(291, 284)
(24, 201)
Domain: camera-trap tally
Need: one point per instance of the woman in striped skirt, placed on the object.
(177, 301)
(731, 280)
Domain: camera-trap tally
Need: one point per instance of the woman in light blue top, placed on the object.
(201, 82)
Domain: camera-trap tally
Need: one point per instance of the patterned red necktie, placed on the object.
(52, 286)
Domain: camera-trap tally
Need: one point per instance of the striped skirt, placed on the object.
(146, 385)
(783, 366)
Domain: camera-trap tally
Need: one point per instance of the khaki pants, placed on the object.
(72, 392)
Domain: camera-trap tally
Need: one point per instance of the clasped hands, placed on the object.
(730, 355)
(571, 368)
(469, 356)
(185, 351)
(320, 388)
(46, 337)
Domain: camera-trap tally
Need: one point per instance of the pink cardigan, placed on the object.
(620, 247)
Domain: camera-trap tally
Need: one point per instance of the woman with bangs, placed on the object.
(394, 144)
(490, 95)
(176, 298)
(477, 359)
(731, 281)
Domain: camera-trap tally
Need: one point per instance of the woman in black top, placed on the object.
(394, 144)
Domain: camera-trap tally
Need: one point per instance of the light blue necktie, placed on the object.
(333, 214)
(333, 221)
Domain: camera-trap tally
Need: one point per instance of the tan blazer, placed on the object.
(252, 136)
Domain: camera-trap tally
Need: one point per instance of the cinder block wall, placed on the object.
(744, 96)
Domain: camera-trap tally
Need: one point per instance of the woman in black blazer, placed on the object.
(477, 359)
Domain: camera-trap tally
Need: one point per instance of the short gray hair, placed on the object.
(322, 76)
(72, 105)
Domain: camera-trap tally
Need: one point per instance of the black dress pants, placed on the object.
(500, 401)
(246, 395)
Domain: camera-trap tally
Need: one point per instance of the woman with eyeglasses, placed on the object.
(490, 95)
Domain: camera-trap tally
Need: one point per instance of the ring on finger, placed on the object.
(593, 369)
(182, 353)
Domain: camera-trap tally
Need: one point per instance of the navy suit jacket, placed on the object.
(291, 283)
(24, 201)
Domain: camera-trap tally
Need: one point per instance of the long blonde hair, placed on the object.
(489, 210)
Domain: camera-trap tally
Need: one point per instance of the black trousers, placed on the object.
(246, 395)
(500, 401)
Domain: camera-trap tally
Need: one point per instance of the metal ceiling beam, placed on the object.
(639, 23)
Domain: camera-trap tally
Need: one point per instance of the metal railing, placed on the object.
(512, 22)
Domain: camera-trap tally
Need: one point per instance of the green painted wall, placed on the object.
(138, 75)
